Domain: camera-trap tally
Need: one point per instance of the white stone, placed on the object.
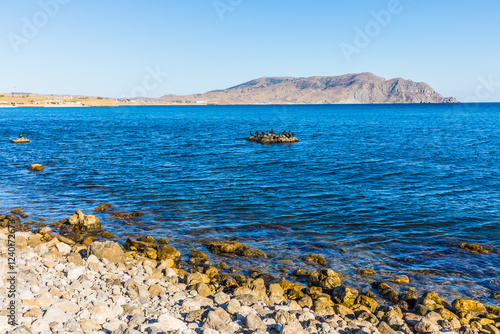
(54, 314)
(40, 326)
(113, 324)
(168, 323)
(41, 249)
(306, 316)
(67, 306)
(221, 298)
(60, 267)
(92, 259)
(75, 273)
(101, 313)
(26, 294)
(63, 248)
(210, 331)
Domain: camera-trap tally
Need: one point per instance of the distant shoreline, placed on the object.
(242, 104)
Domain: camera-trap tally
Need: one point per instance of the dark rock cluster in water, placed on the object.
(269, 137)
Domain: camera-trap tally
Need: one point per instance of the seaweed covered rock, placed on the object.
(386, 291)
(166, 252)
(344, 295)
(147, 238)
(254, 253)
(85, 223)
(227, 247)
(327, 279)
(433, 301)
(368, 302)
(126, 216)
(102, 207)
(315, 259)
(197, 258)
(410, 297)
(16, 211)
(365, 272)
(468, 305)
(198, 255)
(13, 219)
(474, 248)
(108, 235)
(136, 245)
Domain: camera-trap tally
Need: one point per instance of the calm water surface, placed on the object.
(399, 187)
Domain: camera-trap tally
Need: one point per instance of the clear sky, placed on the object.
(110, 48)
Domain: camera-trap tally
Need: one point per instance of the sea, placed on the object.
(394, 188)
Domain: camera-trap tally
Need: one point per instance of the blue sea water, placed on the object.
(397, 186)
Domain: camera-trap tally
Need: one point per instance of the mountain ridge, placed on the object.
(348, 88)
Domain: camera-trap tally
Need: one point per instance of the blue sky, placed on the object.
(110, 48)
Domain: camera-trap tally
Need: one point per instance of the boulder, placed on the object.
(401, 279)
(85, 223)
(254, 322)
(20, 141)
(426, 326)
(365, 272)
(36, 167)
(107, 250)
(256, 288)
(433, 301)
(387, 291)
(344, 295)
(13, 219)
(102, 207)
(323, 307)
(468, 305)
(326, 279)
(275, 292)
(368, 302)
(254, 253)
(315, 259)
(226, 247)
(63, 248)
(474, 248)
(166, 252)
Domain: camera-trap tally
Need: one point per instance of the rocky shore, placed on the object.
(71, 280)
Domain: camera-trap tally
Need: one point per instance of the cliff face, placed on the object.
(349, 88)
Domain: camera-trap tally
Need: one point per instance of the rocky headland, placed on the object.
(359, 88)
(70, 279)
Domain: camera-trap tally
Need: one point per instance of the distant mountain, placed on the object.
(349, 88)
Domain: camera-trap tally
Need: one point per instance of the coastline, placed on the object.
(143, 286)
(223, 104)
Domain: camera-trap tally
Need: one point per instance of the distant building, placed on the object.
(20, 94)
